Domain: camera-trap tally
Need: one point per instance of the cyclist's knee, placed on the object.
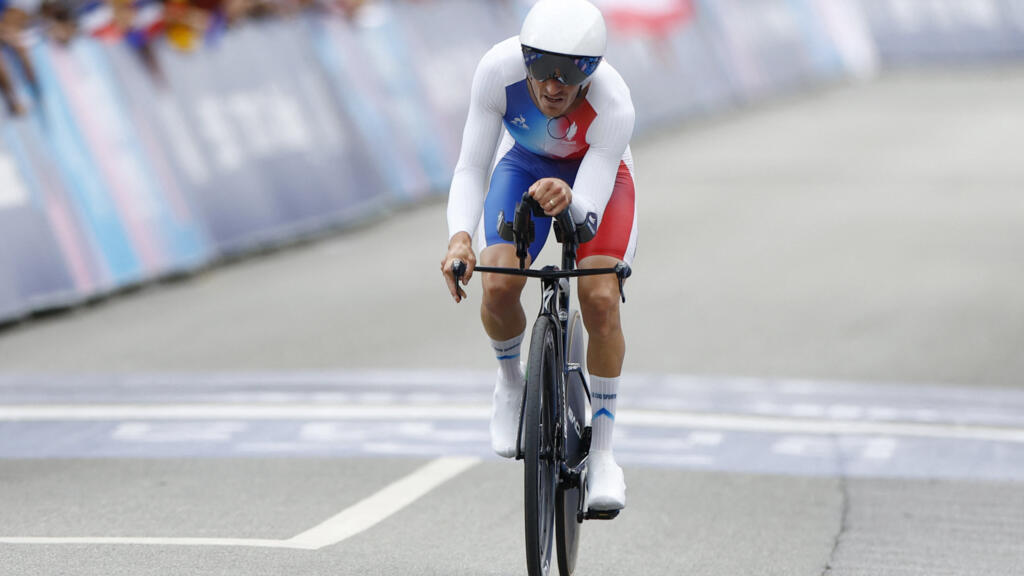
(599, 303)
(501, 291)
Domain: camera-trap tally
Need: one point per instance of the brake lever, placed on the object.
(458, 271)
(623, 271)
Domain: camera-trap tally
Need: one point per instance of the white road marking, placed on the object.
(248, 542)
(638, 418)
(354, 378)
(802, 446)
(749, 423)
(879, 449)
(352, 521)
(102, 412)
(383, 504)
(177, 431)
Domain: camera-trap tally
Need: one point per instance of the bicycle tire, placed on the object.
(540, 476)
(567, 528)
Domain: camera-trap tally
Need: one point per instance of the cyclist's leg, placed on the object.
(501, 312)
(599, 295)
(599, 303)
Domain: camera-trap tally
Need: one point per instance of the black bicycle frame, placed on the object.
(555, 294)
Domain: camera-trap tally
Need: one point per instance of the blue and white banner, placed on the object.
(920, 31)
(284, 128)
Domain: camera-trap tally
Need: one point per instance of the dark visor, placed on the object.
(571, 70)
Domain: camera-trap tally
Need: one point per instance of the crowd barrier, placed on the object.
(290, 127)
(910, 32)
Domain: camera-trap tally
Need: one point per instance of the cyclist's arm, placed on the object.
(479, 140)
(608, 137)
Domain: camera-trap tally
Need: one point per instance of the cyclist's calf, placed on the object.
(599, 304)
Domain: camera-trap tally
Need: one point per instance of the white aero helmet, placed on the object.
(564, 40)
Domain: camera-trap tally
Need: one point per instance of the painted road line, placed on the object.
(246, 542)
(635, 418)
(748, 423)
(383, 504)
(348, 523)
(354, 378)
(844, 401)
(108, 412)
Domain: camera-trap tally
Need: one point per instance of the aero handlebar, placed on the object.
(522, 232)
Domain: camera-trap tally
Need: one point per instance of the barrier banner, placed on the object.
(848, 30)
(164, 232)
(443, 67)
(680, 73)
(371, 72)
(138, 98)
(33, 273)
(84, 74)
(76, 173)
(238, 119)
(657, 18)
(269, 158)
(918, 31)
(317, 168)
(772, 45)
(123, 172)
(652, 68)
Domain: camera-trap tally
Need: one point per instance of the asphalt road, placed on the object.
(823, 375)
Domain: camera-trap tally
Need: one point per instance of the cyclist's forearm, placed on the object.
(596, 178)
(594, 183)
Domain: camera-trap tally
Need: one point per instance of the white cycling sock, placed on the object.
(508, 353)
(604, 394)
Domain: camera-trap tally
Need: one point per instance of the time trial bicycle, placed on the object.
(555, 432)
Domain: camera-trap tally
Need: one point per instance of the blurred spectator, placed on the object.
(184, 24)
(191, 23)
(59, 19)
(15, 21)
(350, 8)
(143, 23)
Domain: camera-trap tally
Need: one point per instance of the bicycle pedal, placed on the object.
(601, 514)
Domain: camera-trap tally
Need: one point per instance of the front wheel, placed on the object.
(567, 499)
(541, 473)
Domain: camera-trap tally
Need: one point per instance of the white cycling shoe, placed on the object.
(606, 486)
(505, 412)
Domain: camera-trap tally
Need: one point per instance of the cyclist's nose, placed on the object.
(553, 87)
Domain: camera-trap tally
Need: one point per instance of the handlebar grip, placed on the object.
(458, 270)
(530, 202)
(623, 270)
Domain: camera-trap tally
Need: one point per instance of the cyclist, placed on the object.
(560, 120)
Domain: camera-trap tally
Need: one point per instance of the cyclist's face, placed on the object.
(552, 97)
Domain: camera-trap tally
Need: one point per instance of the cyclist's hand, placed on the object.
(459, 248)
(553, 194)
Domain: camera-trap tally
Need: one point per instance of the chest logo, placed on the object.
(520, 122)
(562, 128)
